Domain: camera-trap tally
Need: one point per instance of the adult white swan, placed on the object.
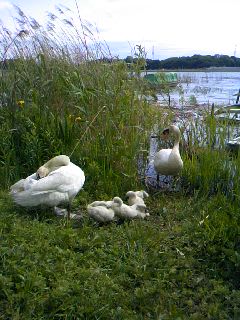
(56, 182)
(168, 161)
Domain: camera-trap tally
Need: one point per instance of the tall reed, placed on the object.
(63, 92)
(209, 166)
(55, 80)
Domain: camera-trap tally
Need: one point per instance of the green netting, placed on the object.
(161, 77)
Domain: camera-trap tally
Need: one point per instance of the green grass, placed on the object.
(166, 267)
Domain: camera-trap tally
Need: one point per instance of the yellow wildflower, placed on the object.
(20, 103)
(78, 119)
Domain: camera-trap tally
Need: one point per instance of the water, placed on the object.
(205, 88)
(195, 89)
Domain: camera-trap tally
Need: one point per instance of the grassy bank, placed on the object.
(74, 98)
(181, 263)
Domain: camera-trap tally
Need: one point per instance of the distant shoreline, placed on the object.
(211, 69)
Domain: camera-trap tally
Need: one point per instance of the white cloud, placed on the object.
(173, 27)
(5, 5)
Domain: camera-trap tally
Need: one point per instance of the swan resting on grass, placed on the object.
(101, 211)
(56, 182)
(52, 165)
(126, 212)
(136, 197)
(168, 161)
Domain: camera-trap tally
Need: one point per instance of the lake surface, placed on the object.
(205, 88)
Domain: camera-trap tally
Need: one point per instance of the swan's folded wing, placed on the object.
(23, 184)
(33, 176)
(30, 198)
(53, 182)
(18, 186)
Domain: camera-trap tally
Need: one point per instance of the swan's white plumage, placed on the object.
(58, 187)
(142, 211)
(169, 161)
(136, 197)
(124, 211)
(100, 213)
(23, 184)
(107, 204)
(52, 165)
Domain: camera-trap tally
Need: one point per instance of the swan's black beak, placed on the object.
(165, 131)
(38, 176)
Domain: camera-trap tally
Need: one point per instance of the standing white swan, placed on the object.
(169, 161)
(60, 181)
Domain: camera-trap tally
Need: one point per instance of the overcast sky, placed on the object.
(166, 28)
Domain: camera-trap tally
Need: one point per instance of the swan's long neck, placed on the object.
(176, 144)
(52, 165)
(57, 162)
(177, 139)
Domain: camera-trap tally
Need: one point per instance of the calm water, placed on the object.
(206, 87)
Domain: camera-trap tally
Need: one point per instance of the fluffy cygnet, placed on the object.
(107, 204)
(136, 197)
(126, 212)
(101, 211)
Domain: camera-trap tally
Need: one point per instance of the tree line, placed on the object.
(194, 62)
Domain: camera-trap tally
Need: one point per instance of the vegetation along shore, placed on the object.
(58, 96)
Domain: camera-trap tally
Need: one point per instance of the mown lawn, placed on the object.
(174, 265)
